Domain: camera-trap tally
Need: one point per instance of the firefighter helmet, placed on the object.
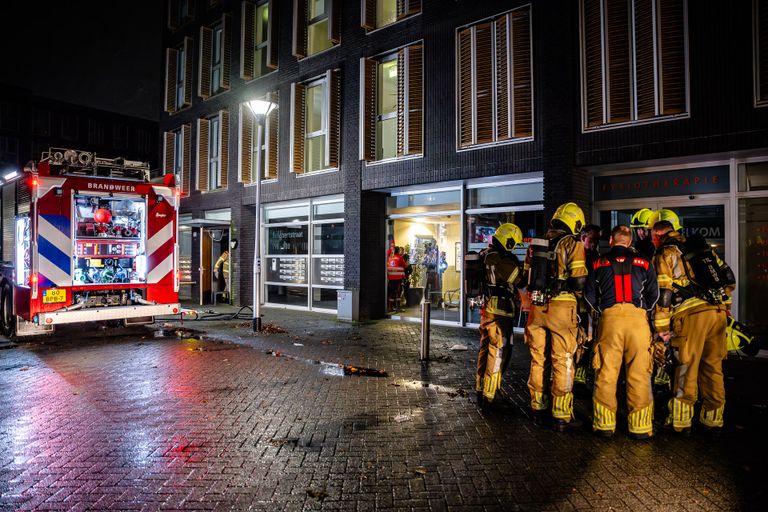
(737, 336)
(509, 236)
(668, 215)
(571, 215)
(640, 218)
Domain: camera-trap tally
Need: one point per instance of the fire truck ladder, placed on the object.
(71, 162)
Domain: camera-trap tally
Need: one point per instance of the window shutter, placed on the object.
(413, 6)
(172, 9)
(333, 88)
(503, 93)
(298, 122)
(401, 106)
(206, 47)
(645, 75)
(761, 47)
(224, 147)
(484, 83)
(300, 28)
(247, 31)
(522, 91)
(415, 90)
(246, 144)
(171, 56)
(186, 149)
(226, 54)
(273, 130)
(671, 42)
(617, 58)
(334, 20)
(272, 33)
(593, 63)
(202, 155)
(368, 70)
(465, 87)
(170, 144)
(368, 14)
(188, 66)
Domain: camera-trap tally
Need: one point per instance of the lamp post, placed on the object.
(260, 109)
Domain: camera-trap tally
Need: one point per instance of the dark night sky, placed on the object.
(86, 52)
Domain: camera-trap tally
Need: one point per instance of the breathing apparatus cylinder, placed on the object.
(538, 280)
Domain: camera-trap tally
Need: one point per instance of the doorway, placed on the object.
(214, 271)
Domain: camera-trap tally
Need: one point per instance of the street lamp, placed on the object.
(260, 109)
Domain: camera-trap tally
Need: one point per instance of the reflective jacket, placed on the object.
(635, 282)
(673, 272)
(395, 267)
(502, 270)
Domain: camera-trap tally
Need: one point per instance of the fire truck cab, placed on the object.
(86, 239)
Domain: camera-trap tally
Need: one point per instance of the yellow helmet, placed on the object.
(668, 215)
(738, 338)
(509, 236)
(571, 215)
(640, 219)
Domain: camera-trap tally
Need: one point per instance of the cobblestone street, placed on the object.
(223, 420)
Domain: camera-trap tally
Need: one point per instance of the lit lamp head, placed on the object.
(261, 107)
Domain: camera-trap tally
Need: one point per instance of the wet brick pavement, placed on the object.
(220, 422)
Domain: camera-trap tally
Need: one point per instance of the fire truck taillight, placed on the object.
(33, 279)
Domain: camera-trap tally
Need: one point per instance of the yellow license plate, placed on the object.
(52, 296)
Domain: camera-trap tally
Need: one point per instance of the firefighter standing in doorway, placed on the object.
(221, 272)
(502, 272)
(695, 288)
(640, 223)
(622, 287)
(556, 274)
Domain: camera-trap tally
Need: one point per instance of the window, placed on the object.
(259, 144)
(95, 132)
(180, 12)
(316, 26)
(41, 123)
(392, 110)
(69, 127)
(215, 59)
(495, 92)
(315, 118)
(760, 51)
(178, 76)
(634, 60)
(380, 13)
(9, 116)
(212, 151)
(259, 39)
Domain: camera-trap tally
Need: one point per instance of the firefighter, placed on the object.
(395, 276)
(502, 272)
(622, 287)
(590, 237)
(221, 272)
(556, 274)
(640, 223)
(695, 289)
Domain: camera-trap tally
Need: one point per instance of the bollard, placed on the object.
(425, 318)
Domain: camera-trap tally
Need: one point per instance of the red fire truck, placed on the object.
(86, 239)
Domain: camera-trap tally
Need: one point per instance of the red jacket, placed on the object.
(395, 267)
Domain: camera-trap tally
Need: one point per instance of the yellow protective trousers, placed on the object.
(551, 338)
(624, 339)
(698, 334)
(495, 345)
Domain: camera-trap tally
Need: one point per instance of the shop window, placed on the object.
(424, 202)
(753, 177)
(393, 108)
(752, 287)
(258, 39)
(259, 143)
(176, 153)
(519, 194)
(316, 26)
(178, 76)
(276, 215)
(212, 152)
(495, 94)
(180, 12)
(760, 51)
(380, 13)
(634, 60)
(215, 49)
(316, 124)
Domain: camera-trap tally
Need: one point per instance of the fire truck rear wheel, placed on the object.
(8, 320)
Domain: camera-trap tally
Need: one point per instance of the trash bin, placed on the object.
(347, 304)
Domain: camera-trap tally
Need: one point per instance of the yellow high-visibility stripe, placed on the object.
(712, 418)
(539, 401)
(562, 406)
(602, 417)
(682, 413)
(641, 421)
